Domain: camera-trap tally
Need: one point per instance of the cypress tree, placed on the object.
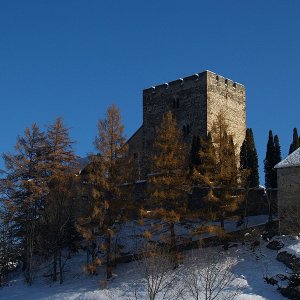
(273, 157)
(244, 154)
(277, 159)
(296, 141)
(269, 161)
(249, 159)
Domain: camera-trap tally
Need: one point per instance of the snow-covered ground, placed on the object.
(131, 234)
(249, 270)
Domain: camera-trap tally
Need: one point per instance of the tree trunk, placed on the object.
(222, 223)
(29, 254)
(173, 246)
(108, 257)
(60, 267)
(54, 266)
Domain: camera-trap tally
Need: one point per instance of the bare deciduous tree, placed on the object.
(155, 267)
(209, 276)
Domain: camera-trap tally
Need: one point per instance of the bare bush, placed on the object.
(209, 276)
(155, 267)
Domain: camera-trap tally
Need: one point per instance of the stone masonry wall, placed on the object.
(288, 198)
(185, 98)
(228, 96)
(195, 102)
(136, 152)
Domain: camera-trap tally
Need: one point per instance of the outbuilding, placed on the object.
(288, 179)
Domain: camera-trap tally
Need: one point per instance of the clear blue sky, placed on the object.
(74, 58)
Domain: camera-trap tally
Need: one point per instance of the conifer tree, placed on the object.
(249, 159)
(273, 157)
(60, 154)
(168, 184)
(92, 211)
(277, 159)
(204, 170)
(57, 220)
(296, 141)
(56, 224)
(108, 203)
(25, 189)
(9, 244)
(226, 174)
(269, 161)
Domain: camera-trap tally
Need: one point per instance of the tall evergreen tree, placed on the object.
(168, 186)
(296, 141)
(269, 161)
(249, 159)
(273, 156)
(277, 159)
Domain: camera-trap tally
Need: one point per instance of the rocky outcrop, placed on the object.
(290, 260)
(275, 245)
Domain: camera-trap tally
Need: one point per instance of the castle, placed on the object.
(195, 102)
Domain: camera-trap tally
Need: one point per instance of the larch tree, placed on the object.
(167, 184)
(57, 221)
(90, 222)
(225, 178)
(296, 141)
(204, 168)
(249, 159)
(9, 243)
(25, 191)
(108, 193)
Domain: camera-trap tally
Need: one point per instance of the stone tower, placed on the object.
(195, 102)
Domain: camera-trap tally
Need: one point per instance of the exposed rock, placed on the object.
(275, 245)
(288, 259)
(291, 292)
(271, 280)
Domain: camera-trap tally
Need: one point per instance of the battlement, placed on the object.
(175, 84)
(189, 81)
(223, 82)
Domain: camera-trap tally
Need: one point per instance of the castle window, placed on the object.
(177, 103)
(217, 78)
(234, 85)
(135, 155)
(226, 81)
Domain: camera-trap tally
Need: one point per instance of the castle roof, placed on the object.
(293, 160)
